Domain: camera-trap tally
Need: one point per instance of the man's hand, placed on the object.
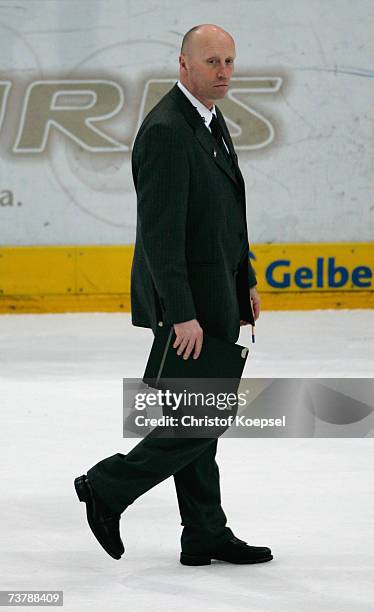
(189, 336)
(255, 305)
(255, 301)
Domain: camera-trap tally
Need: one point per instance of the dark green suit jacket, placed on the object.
(191, 251)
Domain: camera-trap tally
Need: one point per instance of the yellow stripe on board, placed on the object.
(318, 275)
(97, 278)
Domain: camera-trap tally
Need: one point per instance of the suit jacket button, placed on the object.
(160, 323)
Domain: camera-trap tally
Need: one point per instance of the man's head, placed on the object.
(206, 62)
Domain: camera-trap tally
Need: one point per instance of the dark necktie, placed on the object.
(218, 135)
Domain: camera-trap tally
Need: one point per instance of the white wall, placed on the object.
(309, 184)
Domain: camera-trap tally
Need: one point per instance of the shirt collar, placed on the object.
(203, 111)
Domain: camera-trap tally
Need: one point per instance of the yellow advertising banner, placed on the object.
(317, 275)
(97, 278)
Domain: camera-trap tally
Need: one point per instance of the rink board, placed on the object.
(97, 278)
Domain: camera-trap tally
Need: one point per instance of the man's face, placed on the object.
(208, 68)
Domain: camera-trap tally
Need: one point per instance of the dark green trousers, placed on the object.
(120, 479)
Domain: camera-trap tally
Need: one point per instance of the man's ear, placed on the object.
(182, 61)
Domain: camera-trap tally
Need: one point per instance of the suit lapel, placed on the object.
(230, 145)
(204, 136)
(209, 143)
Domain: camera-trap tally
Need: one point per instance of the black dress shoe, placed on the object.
(233, 551)
(104, 523)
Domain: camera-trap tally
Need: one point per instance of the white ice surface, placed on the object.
(311, 500)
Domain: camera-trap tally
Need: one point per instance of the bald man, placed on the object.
(190, 271)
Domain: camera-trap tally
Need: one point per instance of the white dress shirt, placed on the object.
(203, 110)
